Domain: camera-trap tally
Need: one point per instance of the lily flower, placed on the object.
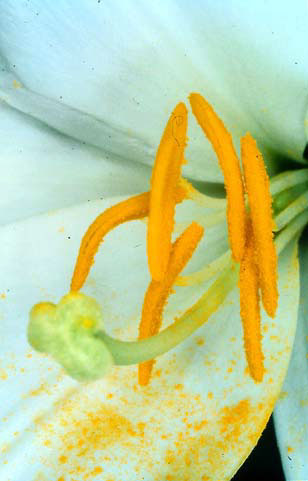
(86, 92)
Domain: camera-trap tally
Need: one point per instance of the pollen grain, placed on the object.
(221, 141)
(158, 291)
(260, 203)
(165, 178)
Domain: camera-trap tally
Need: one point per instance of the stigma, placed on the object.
(249, 220)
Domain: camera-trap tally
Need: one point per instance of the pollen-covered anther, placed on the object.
(136, 207)
(165, 178)
(260, 203)
(221, 141)
(250, 308)
(158, 291)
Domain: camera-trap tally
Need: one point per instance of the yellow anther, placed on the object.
(165, 178)
(260, 203)
(135, 207)
(158, 292)
(250, 308)
(221, 141)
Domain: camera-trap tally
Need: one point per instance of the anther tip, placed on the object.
(180, 108)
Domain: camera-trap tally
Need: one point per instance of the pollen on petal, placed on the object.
(229, 163)
(260, 203)
(165, 178)
(250, 309)
(158, 291)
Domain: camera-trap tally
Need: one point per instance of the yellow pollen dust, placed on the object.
(221, 141)
(165, 178)
(158, 291)
(260, 203)
(250, 308)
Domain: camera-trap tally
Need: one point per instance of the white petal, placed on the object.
(127, 64)
(291, 412)
(201, 414)
(43, 170)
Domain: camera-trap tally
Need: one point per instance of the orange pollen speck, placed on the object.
(250, 308)
(158, 292)
(133, 208)
(221, 141)
(260, 203)
(165, 178)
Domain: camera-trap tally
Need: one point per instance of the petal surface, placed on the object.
(291, 411)
(42, 170)
(200, 416)
(120, 67)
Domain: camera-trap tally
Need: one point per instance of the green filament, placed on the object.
(286, 180)
(292, 230)
(207, 272)
(290, 212)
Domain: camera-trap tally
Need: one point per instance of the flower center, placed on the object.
(250, 224)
